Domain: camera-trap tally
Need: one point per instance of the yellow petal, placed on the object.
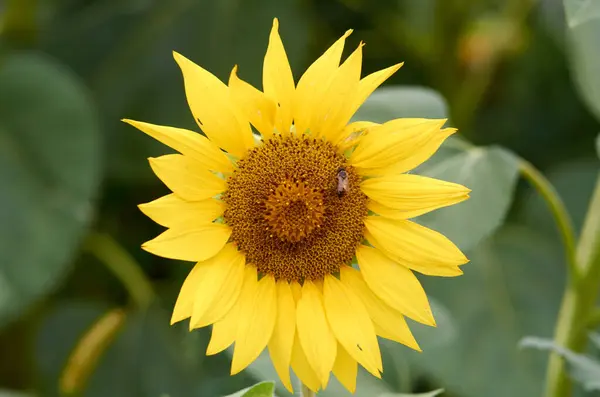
(406, 195)
(370, 83)
(186, 177)
(282, 340)
(198, 244)
(335, 106)
(345, 369)
(351, 324)
(398, 145)
(219, 287)
(224, 331)
(256, 106)
(430, 269)
(413, 245)
(258, 312)
(187, 295)
(173, 211)
(389, 323)
(188, 143)
(314, 82)
(209, 101)
(394, 284)
(318, 342)
(278, 81)
(302, 368)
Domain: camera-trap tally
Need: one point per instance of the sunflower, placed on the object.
(300, 231)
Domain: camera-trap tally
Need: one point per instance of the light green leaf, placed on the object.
(583, 21)
(263, 389)
(492, 306)
(584, 369)
(491, 174)
(49, 173)
(392, 102)
(430, 394)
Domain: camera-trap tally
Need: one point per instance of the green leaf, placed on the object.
(583, 27)
(263, 389)
(583, 369)
(491, 174)
(392, 102)
(492, 306)
(598, 145)
(49, 173)
(430, 394)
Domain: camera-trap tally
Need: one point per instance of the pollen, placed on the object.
(285, 212)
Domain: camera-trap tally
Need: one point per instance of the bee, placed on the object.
(342, 182)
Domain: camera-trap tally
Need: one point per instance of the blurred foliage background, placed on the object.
(513, 73)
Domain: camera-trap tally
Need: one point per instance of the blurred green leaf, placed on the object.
(583, 369)
(491, 174)
(392, 102)
(49, 173)
(430, 394)
(492, 306)
(598, 145)
(263, 389)
(583, 26)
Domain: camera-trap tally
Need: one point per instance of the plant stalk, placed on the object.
(578, 306)
(559, 212)
(123, 266)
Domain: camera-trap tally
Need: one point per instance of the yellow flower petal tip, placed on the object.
(297, 211)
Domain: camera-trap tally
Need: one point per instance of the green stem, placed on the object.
(123, 266)
(558, 209)
(18, 23)
(306, 392)
(578, 306)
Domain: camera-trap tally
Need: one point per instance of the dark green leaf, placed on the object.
(583, 27)
(584, 369)
(263, 389)
(491, 174)
(390, 103)
(49, 173)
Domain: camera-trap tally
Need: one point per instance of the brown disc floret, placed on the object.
(286, 213)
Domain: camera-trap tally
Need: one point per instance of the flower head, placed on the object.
(275, 222)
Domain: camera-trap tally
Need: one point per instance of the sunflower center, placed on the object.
(294, 210)
(287, 213)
